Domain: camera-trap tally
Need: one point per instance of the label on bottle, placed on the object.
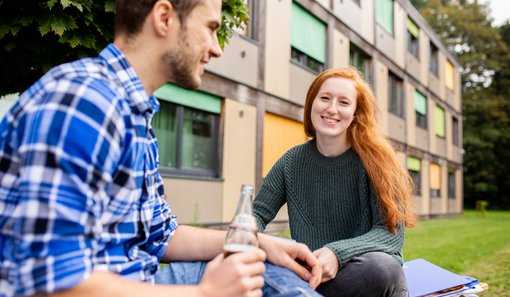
(244, 220)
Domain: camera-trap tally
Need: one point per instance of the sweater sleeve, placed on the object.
(377, 239)
(271, 196)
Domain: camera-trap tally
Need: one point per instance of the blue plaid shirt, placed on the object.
(80, 188)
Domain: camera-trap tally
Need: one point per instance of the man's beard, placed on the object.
(181, 65)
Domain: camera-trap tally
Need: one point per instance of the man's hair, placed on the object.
(131, 14)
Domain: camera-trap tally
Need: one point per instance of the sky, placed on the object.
(500, 11)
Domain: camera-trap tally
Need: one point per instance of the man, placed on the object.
(82, 211)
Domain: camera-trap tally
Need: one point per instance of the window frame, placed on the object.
(435, 192)
(440, 131)
(359, 57)
(416, 177)
(251, 28)
(178, 170)
(434, 60)
(455, 131)
(380, 16)
(413, 42)
(307, 50)
(305, 61)
(413, 165)
(421, 119)
(452, 184)
(395, 82)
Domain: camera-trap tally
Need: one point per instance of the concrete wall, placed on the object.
(277, 47)
(340, 49)
(240, 61)
(239, 152)
(195, 201)
(300, 80)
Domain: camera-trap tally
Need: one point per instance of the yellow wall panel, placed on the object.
(280, 134)
(449, 76)
(435, 176)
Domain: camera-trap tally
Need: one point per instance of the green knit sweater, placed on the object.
(330, 202)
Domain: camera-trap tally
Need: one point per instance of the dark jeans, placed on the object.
(372, 274)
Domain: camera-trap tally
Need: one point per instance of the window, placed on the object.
(395, 95)
(413, 37)
(435, 180)
(434, 59)
(250, 29)
(384, 14)
(439, 115)
(187, 131)
(414, 167)
(308, 39)
(455, 131)
(420, 107)
(305, 60)
(451, 183)
(252, 22)
(449, 77)
(361, 61)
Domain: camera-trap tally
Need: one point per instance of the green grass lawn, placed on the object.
(474, 245)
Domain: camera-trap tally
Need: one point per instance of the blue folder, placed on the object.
(425, 278)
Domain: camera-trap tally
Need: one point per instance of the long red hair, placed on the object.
(391, 180)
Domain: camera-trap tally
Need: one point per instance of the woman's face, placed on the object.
(333, 109)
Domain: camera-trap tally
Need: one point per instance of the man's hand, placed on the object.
(329, 262)
(294, 256)
(237, 275)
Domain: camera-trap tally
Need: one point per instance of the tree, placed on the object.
(37, 35)
(419, 4)
(466, 30)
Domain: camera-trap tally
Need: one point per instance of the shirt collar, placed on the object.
(139, 101)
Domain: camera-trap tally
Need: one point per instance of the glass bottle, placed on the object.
(242, 231)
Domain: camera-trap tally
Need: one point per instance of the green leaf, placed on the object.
(66, 3)
(109, 6)
(58, 27)
(14, 30)
(34, 25)
(51, 3)
(3, 31)
(10, 46)
(45, 27)
(75, 39)
(25, 20)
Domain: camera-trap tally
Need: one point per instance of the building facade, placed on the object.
(249, 108)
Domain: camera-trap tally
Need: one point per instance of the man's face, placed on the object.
(196, 44)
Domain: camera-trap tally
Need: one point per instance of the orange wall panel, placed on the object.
(280, 134)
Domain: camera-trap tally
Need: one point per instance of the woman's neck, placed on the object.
(332, 147)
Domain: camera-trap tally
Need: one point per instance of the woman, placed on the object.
(348, 195)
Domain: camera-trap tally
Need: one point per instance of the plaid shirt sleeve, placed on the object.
(67, 151)
(62, 151)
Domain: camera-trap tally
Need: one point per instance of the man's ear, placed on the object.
(163, 16)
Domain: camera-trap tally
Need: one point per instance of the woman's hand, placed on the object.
(329, 263)
(292, 255)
